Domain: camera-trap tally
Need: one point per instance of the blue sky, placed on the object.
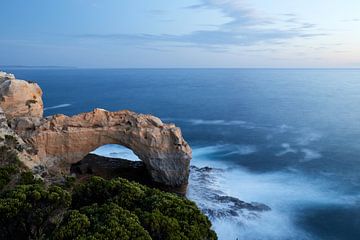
(180, 33)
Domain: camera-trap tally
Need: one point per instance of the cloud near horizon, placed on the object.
(244, 28)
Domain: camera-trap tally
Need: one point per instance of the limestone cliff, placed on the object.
(19, 98)
(55, 142)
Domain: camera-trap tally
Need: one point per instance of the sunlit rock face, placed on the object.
(19, 98)
(59, 141)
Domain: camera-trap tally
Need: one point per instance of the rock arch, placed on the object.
(59, 141)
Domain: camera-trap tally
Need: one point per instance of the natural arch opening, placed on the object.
(116, 151)
(112, 160)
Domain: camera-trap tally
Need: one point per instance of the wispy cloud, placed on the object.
(158, 12)
(245, 27)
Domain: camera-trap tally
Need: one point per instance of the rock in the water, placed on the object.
(19, 98)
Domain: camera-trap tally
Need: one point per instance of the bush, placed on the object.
(108, 221)
(31, 211)
(5, 174)
(163, 215)
(8, 156)
(96, 209)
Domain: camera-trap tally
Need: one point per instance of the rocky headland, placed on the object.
(51, 144)
(41, 199)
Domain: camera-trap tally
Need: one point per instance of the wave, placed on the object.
(216, 122)
(216, 152)
(57, 106)
(219, 122)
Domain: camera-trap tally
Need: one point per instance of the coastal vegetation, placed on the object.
(92, 209)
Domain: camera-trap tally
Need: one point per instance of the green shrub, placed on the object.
(8, 156)
(33, 210)
(163, 215)
(108, 221)
(5, 174)
(96, 209)
(74, 224)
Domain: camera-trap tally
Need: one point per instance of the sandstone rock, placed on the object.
(59, 141)
(19, 98)
(54, 143)
(6, 76)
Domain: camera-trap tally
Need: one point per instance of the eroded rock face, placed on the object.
(59, 141)
(51, 145)
(19, 98)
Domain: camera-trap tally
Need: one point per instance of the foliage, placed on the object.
(96, 209)
(8, 156)
(5, 175)
(163, 215)
(31, 211)
(107, 221)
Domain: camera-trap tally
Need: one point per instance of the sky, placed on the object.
(180, 33)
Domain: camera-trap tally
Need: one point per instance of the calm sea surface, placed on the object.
(289, 139)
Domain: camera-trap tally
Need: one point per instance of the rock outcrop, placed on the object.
(56, 142)
(60, 141)
(19, 98)
(11, 144)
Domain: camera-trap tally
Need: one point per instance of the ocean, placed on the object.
(285, 138)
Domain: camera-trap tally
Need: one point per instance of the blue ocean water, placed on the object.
(287, 138)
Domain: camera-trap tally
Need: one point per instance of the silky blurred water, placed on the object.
(287, 138)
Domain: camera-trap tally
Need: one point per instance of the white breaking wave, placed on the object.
(57, 106)
(286, 193)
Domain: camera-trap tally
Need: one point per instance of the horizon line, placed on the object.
(134, 68)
